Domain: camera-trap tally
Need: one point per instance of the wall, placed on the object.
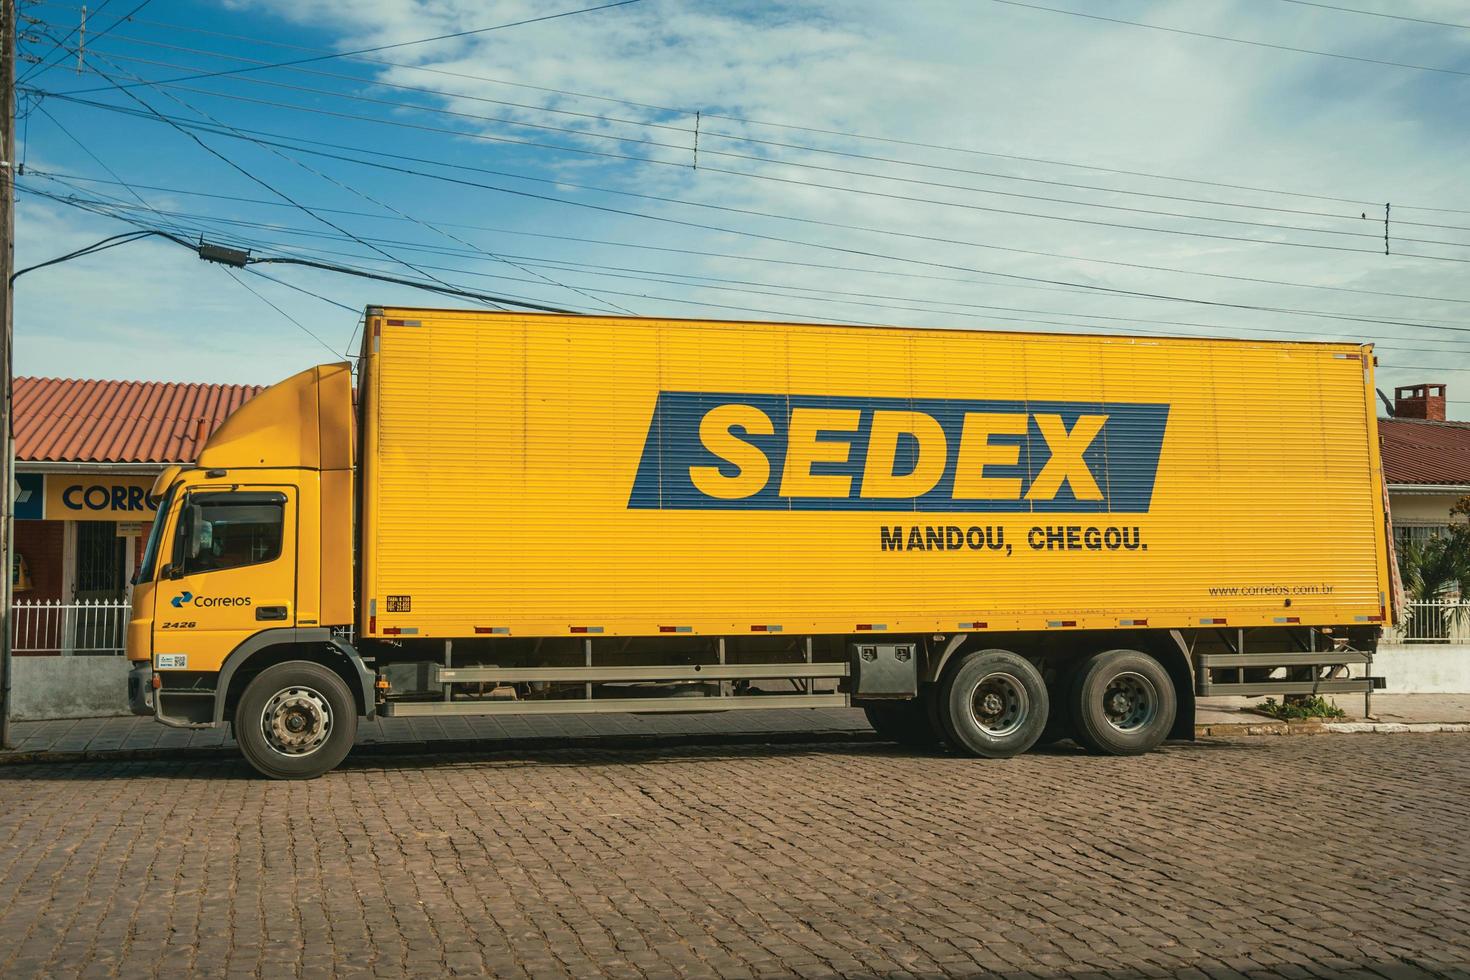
(1423, 668)
(1420, 508)
(46, 688)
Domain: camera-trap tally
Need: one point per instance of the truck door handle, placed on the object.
(270, 612)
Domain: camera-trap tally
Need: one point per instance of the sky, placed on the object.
(976, 164)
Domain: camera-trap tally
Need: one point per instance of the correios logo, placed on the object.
(206, 601)
(727, 451)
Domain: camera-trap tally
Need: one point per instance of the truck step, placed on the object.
(594, 675)
(410, 709)
(1354, 685)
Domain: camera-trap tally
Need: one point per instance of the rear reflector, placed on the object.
(1288, 619)
(676, 629)
(867, 627)
(1059, 623)
(972, 626)
(1220, 621)
(497, 630)
(1368, 619)
(1132, 622)
(586, 629)
(765, 629)
(400, 630)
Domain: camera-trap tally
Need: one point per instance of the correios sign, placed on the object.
(100, 497)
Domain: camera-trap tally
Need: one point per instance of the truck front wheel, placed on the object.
(993, 704)
(1122, 703)
(296, 720)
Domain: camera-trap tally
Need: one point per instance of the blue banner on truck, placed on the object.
(717, 451)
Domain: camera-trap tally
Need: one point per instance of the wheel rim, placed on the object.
(1130, 702)
(999, 704)
(296, 721)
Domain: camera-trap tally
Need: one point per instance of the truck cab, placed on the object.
(249, 566)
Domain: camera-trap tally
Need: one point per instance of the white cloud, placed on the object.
(967, 74)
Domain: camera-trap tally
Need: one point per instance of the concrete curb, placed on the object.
(1394, 727)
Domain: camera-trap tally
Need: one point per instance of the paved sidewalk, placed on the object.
(144, 738)
(1413, 709)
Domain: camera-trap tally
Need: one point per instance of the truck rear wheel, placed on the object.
(904, 722)
(296, 720)
(993, 704)
(1122, 703)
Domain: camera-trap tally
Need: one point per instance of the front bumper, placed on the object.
(140, 689)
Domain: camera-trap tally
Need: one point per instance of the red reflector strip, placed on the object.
(676, 629)
(1368, 619)
(1212, 622)
(500, 630)
(765, 629)
(1348, 357)
(586, 629)
(1288, 619)
(403, 323)
(391, 630)
(1056, 623)
(1132, 622)
(372, 624)
(972, 626)
(870, 627)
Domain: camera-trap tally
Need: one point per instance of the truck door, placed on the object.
(232, 574)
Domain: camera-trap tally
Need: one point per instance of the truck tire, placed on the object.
(904, 722)
(993, 704)
(1122, 702)
(296, 720)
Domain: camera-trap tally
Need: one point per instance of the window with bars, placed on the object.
(1417, 534)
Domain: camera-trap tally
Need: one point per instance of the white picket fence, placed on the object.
(86, 627)
(1432, 622)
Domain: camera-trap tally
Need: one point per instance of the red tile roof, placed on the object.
(80, 421)
(1424, 453)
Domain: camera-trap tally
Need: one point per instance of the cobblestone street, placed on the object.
(1333, 856)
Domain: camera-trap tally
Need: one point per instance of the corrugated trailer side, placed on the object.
(553, 476)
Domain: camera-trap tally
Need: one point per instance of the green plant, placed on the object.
(1438, 570)
(1301, 706)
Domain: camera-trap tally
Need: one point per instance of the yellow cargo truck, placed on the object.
(985, 539)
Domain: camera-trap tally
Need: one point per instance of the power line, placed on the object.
(262, 297)
(305, 291)
(1377, 13)
(701, 303)
(246, 173)
(707, 113)
(736, 256)
(1234, 40)
(809, 184)
(404, 44)
(790, 293)
(769, 161)
(679, 222)
(44, 63)
(354, 190)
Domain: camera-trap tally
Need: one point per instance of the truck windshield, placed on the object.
(150, 550)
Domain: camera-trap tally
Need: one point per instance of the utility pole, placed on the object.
(8, 31)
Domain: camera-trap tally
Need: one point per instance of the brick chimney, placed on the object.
(1423, 401)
